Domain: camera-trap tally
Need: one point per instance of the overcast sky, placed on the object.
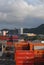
(21, 13)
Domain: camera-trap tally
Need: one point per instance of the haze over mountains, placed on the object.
(37, 30)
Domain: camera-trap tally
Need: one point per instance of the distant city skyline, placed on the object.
(21, 13)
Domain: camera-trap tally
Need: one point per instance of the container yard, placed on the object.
(23, 52)
(21, 32)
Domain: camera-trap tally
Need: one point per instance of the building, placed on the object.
(4, 32)
(20, 31)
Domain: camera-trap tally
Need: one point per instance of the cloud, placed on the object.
(35, 2)
(17, 11)
(14, 9)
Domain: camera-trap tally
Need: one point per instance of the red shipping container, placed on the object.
(24, 57)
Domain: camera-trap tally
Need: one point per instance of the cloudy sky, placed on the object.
(21, 13)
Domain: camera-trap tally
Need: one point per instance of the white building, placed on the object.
(20, 31)
(4, 32)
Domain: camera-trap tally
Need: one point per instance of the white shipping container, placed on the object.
(42, 41)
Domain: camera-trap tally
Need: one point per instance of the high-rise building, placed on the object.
(20, 31)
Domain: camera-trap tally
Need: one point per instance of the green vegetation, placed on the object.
(38, 30)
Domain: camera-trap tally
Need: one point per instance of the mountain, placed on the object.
(37, 30)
